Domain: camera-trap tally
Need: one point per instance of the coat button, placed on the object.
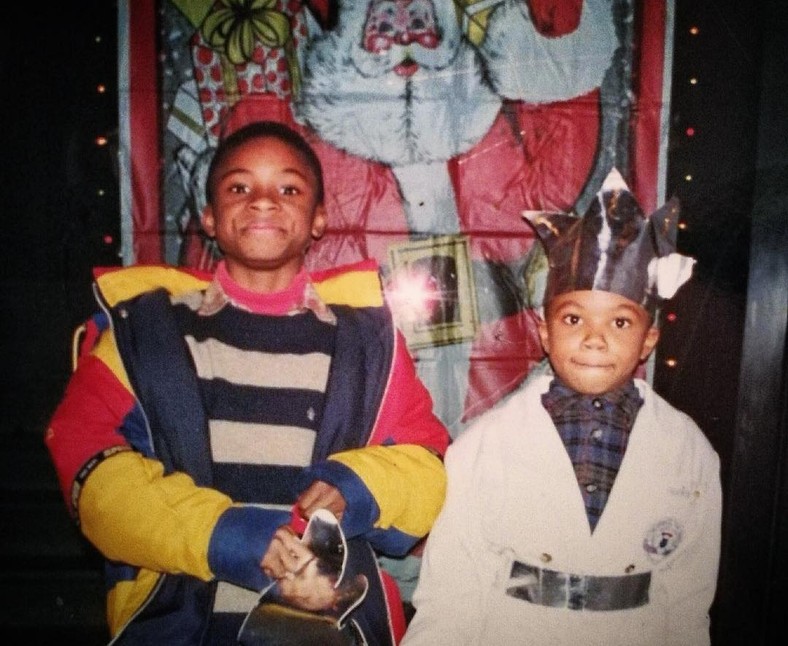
(124, 313)
(629, 568)
(545, 557)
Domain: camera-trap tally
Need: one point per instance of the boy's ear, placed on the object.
(544, 336)
(319, 222)
(652, 336)
(208, 221)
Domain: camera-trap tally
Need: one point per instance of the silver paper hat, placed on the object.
(614, 247)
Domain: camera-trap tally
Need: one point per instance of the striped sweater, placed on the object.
(262, 380)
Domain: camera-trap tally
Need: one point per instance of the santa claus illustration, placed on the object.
(467, 107)
(396, 83)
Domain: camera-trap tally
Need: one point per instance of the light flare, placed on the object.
(413, 296)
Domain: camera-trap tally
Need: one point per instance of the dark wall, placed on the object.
(754, 577)
(55, 225)
(726, 338)
(55, 221)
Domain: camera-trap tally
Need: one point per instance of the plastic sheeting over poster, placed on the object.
(437, 122)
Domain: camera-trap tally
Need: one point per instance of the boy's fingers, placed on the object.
(286, 554)
(321, 495)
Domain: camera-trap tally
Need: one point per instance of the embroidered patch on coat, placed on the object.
(662, 539)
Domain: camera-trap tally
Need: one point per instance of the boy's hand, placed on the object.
(321, 495)
(309, 589)
(286, 555)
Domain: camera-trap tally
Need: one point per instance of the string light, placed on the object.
(102, 137)
(689, 131)
(690, 83)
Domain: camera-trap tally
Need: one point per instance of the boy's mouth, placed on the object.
(592, 366)
(261, 226)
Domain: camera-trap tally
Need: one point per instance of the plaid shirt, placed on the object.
(595, 431)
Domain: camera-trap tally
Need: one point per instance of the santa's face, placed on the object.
(397, 22)
(395, 82)
(400, 36)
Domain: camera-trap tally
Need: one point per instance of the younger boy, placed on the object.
(586, 509)
(202, 420)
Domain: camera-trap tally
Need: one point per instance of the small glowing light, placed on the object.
(694, 30)
(693, 81)
(690, 131)
(671, 363)
(682, 225)
(97, 39)
(101, 88)
(413, 296)
(108, 239)
(100, 192)
(671, 317)
(101, 141)
(688, 178)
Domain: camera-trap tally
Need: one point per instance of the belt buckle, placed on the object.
(576, 587)
(577, 591)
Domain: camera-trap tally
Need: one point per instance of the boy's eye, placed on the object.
(290, 190)
(622, 323)
(571, 319)
(238, 188)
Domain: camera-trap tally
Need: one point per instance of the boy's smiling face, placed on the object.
(596, 339)
(264, 212)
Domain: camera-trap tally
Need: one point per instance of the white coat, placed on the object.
(513, 495)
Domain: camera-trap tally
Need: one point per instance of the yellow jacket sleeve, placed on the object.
(159, 522)
(406, 481)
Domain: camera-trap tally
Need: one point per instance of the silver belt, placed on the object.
(577, 591)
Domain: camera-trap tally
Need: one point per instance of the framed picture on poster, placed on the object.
(432, 284)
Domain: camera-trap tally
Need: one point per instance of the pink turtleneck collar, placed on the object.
(275, 303)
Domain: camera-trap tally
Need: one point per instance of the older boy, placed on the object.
(586, 509)
(201, 418)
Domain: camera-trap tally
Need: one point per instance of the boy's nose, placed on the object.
(594, 340)
(262, 199)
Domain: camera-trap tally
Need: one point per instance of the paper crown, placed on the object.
(614, 248)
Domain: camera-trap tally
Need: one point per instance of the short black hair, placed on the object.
(263, 130)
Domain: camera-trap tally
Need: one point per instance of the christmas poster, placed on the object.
(437, 122)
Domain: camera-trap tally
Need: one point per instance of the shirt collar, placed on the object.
(300, 296)
(560, 398)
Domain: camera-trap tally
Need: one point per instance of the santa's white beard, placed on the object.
(430, 116)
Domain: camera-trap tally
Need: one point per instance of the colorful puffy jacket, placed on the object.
(138, 479)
